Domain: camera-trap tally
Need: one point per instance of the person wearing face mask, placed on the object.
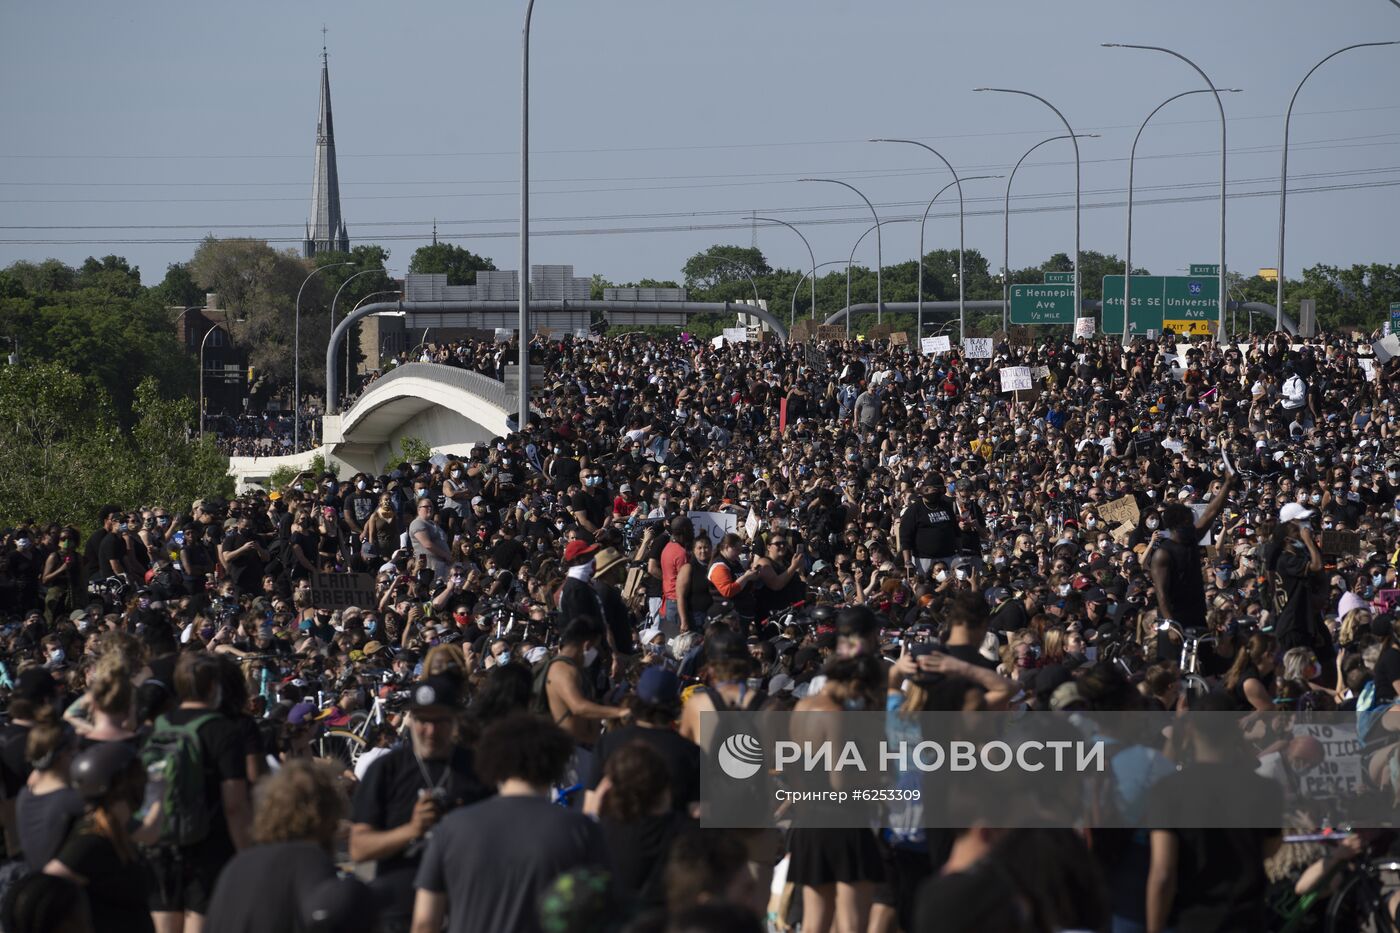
(62, 577)
(1292, 560)
(23, 564)
(565, 692)
(359, 506)
(928, 528)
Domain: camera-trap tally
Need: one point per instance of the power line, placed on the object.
(740, 224)
(370, 225)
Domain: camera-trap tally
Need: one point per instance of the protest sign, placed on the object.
(715, 525)
(940, 344)
(1040, 372)
(1339, 543)
(831, 332)
(736, 334)
(1084, 327)
(1339, 772)
(1015, 378)
(978, 348)
(899, 339)
(342, 590)
(1124, 509)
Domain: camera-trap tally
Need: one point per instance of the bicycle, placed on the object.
(1190, 662)
(346, 744)
(1362, 901)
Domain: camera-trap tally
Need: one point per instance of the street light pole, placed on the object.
(851, 261)
(962, 319)
(962, 309)
(746, 274)
(1073, 138)
(1128, 249)
(352, 311)
(202, 342)
(523, 385)
(348, 280)
(813, 276)
(1283, 172)
(296, 357)
(879, 253)
(1006, 227)
(792, 315)
(1220, 106)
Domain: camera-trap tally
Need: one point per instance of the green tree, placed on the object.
(178, 288)
(460, 264)
(722, 265)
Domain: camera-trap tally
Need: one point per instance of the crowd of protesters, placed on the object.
(269, 434)
(504, 730)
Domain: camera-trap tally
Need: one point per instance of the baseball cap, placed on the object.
(437, 693)
(577, 549)
(658, 685)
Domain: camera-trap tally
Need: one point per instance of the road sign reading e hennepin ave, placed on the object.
(1042, 304)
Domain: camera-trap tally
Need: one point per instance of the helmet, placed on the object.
(97, 770)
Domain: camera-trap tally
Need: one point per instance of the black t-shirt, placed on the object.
(1386, 673)
(113, 548)
(361, 506)
(653, 584)
(385, 800)
(637, 855)
(681, 755)
(929, 531)
(14, 758)
(1220, 881)
(972, 654)
(246, 569)
(44, 821)
(94, 544)
(591, 506)
(493, 860)
(221, 750)
(265, 889)
(116, 889)
(1292, 599)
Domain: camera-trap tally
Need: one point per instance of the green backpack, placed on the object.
(175, 766)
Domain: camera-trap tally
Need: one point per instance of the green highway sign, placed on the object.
(1205, 268)
(1147, 304)
(1191, 298)
(1042, 304)
(1395, 317)
(1059, 278)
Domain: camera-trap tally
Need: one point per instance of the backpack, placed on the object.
(175, 766)
(539, 692)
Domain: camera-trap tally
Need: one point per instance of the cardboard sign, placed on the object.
(803, 331)
(1386, 347)
(978, 348)
(342, 590)
(1339, 773)
(736, 334)
(752, 524)
(782, 415)
(1015, 378)
(714, 524)
(718, 342)
(879, 332)
(1084, 327)
(1338, 543)
(1123, 534)
(899, 339)
(1121, 510)
(831, 332)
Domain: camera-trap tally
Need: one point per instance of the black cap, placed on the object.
(341, 905)
(95, 770)
(437, 692)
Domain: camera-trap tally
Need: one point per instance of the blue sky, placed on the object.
(156, 121)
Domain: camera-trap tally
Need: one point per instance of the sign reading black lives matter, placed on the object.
(826, 770)
(342, 590)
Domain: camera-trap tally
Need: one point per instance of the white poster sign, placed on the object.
(736, 334)
(1084, 327)
(930, 345)
(1040, 372)
(714, 524)
(926, 346)
(1015, 378)
(978, 348)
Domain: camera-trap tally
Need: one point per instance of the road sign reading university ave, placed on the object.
(1059, 278)
(1182, 303)
(1042, 304)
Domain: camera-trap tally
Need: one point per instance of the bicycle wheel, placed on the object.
(1359, 906)
(341, 745)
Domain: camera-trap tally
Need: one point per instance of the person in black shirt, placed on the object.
(1175, 565)
(244, 557)
(406, 793)
(106, 519)
(112, 551)
(928, 528)
(1293, 559)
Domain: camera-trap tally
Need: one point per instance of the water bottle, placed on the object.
(155, 790)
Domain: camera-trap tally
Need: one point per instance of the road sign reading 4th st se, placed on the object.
(1147, 305)
(1042, 304)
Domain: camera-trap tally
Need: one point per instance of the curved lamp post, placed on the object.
(879, 257)
(1220, 106)
(1074, 139)
(1128, 249)
(1006, 226)
(1283, 173)
(348, 280)
(962, 310)
(813, 276)
(352, 311)
(792, 316)
(851, 261)
(296, 356)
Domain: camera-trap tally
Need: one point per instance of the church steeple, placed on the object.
(326, 229)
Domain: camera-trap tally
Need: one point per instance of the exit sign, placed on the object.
(1205, 268)
(1059, 278)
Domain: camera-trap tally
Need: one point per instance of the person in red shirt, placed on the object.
(625, 503)
(674, 556)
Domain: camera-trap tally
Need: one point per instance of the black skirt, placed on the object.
(831, 856)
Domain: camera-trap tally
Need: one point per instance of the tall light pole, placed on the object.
(962, 310)
(1073, 138)
(879, 253)
(1006, 225)
(744, 272)
(352, 311)
(792, 315)
(813, 276)
(1283, 173)
(348, 280)
(296, 357)
(868, 230)
(523, 385)
(962, 317)
(1128, 248)
(1220, 106)
(202, 342)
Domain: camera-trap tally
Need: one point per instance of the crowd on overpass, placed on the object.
(501, 713)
